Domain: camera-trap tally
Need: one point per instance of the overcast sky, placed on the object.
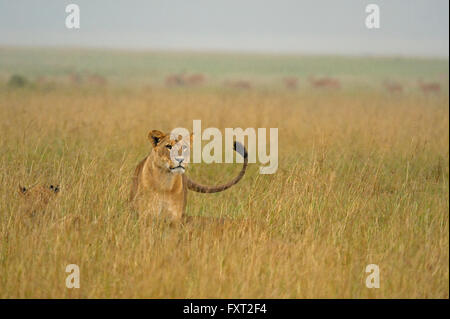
(408, 27)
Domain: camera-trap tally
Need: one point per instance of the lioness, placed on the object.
(38, 196)
(159, 187)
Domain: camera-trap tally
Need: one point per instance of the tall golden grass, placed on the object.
(362, 179)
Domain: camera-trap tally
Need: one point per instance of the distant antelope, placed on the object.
(175, 80)
(185, 80)
(97, 79)
(195, 79)
(290, 82)
(325, 82)
(239, 84)
(430, 87)
(41, 80)
(393, 87)
(75, 78)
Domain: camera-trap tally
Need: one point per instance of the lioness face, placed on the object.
(171, 153)
(39, 189)
(39, 193)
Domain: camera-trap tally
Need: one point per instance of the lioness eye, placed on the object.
(169, 146)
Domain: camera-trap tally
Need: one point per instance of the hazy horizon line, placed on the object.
(222, 51)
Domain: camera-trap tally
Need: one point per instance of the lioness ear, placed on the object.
(191, 138)
(22, 189)
(155, 136)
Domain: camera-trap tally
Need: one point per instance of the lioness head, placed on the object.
(170, 153)
(38, 196)
(39, 190)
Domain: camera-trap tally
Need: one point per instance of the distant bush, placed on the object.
(17, 81)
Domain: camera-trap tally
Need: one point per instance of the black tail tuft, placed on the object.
(238, 147)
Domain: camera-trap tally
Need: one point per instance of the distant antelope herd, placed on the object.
(182, 79)
(91, 79)
(325, 83)
(393, 87)
(239, 84)
(425, 87)
(289, 82)
(430, 87)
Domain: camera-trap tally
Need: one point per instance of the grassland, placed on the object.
(363, 179)
(141, 67)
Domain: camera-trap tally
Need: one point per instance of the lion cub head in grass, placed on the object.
(159, 187)
(38, 196)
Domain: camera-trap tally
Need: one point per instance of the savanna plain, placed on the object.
(362, 176)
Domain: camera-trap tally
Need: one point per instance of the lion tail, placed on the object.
(239, 148)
